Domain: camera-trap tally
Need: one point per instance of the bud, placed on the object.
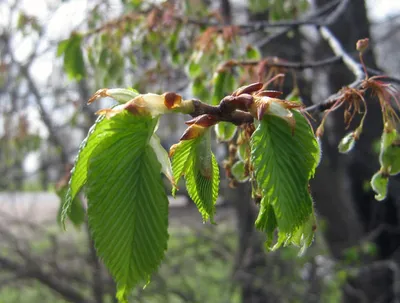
(248, 89)
(192, 132)
(362, 45)
(121, 95)
(347, 143)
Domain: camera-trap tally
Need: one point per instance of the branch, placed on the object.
(236, 117)
(35, 272)
(276, 62)
(38, 99)
(351, 64)
(317, 14)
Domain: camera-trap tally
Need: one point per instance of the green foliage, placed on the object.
(195, 160)
(347, 143)
(379, 183)
(76, 214)
(225, 131)
(389, 158)
(279, 9)
(284, 160)
(239, 171)
(126, 197)
(74, 64)
(102, 128)
(224, 83)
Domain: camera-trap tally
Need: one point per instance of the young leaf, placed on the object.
(243, 151)
(102, 128)
(74, 64)
(225, 131)
(252, 53)
(347, 143)
(181, 159)
(284, 163)
(203, 189)
(162, 157)
(239, 172)
(127, 204)
(390, 152)
(266, 221)
(195, 160)
(76, 214)
(379, 183)
(224, 83)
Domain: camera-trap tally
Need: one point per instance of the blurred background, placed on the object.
(44, 117)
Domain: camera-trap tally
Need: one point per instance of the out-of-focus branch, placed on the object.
(351, 64)
(276, 62)
(33, 271)
(319, 13)
(24, 69)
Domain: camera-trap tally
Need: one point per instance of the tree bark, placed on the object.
(350, 211)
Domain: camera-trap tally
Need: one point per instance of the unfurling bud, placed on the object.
(362, 45)
(205, 120)
(121, 95)
(192, 132)
(275, 107)
(137, 104)
(248, 89)
(172, 100)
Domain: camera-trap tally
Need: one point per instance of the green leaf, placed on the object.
(194, 159)
(243, 151)
(203, 189)
(283, 164)
(74, 64)
(266, 221)
(194, 69)
(239, 172)
(225, 131)
(62, 46)
(224, 84)
(200, 90)
(127, 204)
(379, 183)
(347, 143)
(181, 159)
(102, 128)
(162, 157)
(390, 152)
(76, 214)
(252, 53)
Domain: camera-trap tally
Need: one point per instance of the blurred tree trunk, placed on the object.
(349, 209)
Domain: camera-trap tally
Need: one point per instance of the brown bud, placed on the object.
(101, 93)
(243, 102)
(205, 120)
(192, 132)
(268, 93)
(248, 89)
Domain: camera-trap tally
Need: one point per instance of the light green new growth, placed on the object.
(195, 160)
(284, 160)
(127, 203)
